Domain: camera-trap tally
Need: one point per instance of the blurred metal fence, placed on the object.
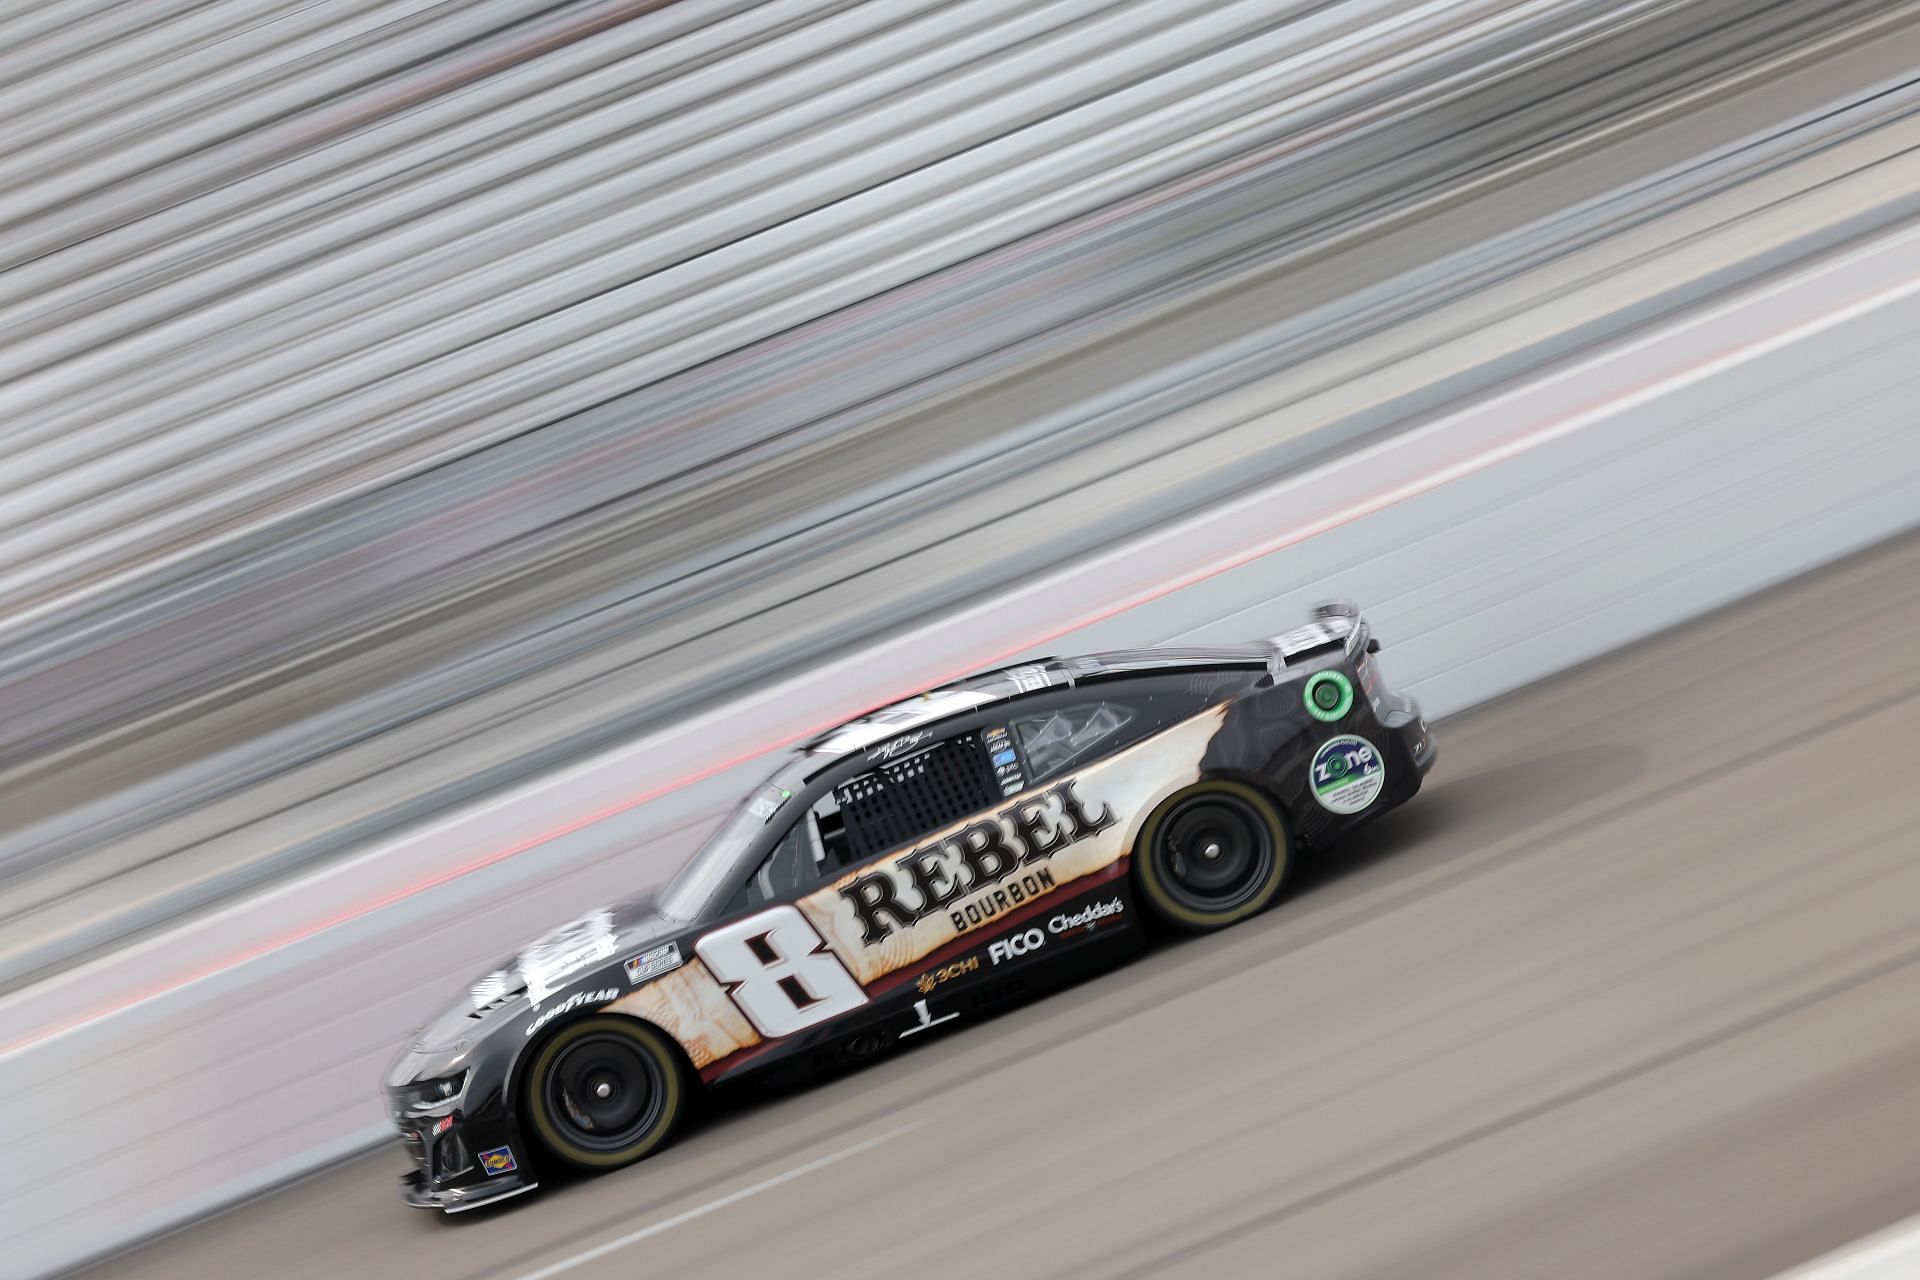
(320, 513)
(260, 255)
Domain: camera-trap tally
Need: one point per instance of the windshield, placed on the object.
(716, 866)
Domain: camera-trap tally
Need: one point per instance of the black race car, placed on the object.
(910, 870)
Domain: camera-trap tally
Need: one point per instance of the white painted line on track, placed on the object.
(1893, 1254)
(711, 1206)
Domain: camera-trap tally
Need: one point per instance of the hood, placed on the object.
(548, 966)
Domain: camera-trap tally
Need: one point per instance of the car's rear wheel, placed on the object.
(605, 1091)
(1212, 855)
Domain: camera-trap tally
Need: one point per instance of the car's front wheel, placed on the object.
(605, 1091)
(1212, 855)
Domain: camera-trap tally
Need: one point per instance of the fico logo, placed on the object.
(1016, 945)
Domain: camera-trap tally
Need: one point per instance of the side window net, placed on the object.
(902, 801)
(1054, 741)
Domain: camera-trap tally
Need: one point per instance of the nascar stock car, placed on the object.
(912, 868)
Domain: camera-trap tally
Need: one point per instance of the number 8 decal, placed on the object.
(778, 970)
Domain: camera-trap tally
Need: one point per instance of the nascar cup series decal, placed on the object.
(1347, 774)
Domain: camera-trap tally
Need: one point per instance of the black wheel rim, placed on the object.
(604, 1092)
(1216, 851)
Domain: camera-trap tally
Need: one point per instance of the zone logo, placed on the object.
(1018, 944)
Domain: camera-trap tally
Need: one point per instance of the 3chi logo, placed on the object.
(932, 978)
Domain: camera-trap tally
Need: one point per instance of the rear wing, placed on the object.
(1337, 627)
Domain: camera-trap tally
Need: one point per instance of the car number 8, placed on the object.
(779, 972)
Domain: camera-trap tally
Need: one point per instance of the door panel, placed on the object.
(916, 901)
(919, 924)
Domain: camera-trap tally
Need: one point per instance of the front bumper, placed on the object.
(416, 1191)
(461, 1158)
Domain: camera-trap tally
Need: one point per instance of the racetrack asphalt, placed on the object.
(1631, 989)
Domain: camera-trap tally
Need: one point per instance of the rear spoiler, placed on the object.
(1337, 627)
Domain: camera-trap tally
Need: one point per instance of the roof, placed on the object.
(1003, 683)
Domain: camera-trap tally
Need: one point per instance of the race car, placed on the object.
(908, 872)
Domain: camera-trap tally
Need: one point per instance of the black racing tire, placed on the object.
(1212, 855)
(605, 1091)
